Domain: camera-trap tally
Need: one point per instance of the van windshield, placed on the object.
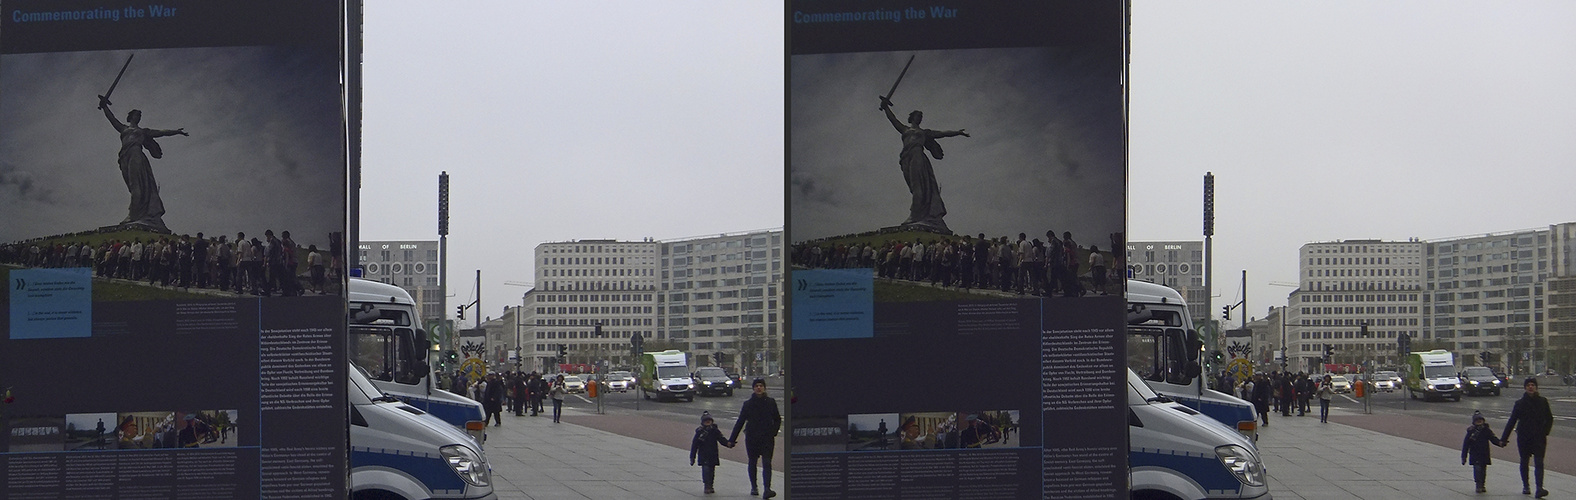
(1439, 371)
(672, 372)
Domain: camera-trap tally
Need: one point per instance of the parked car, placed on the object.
(1340, 384)
(711, 380)
(1480, 380)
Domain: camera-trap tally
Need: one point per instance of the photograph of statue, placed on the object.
(1028, 198)
(260, 177)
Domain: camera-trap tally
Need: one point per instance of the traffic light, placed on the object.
(1218, 356)
(563, 352)
(451, 355)
(1225, 312)
(459, 312)
(717, 357)
(1403, 342)
(1329, 352)
(1483, 356)
(636, 342)
(1363, 332)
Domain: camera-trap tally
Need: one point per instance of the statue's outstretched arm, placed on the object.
(164, 133)
(119, 127)
(887, 108)
(949, 133)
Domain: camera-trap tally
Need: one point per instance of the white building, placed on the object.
(723, 295)
(1506, 294)
(706, 295)
(592, 297)
(1358, 297)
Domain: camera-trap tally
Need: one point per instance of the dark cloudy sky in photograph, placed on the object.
(265, 150)
(1046, 148)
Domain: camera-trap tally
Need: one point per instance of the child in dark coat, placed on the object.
(707, 437)
(1474, 449)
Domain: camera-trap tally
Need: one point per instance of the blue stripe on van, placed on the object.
(1207, 471)
(454, 413)
(431, 470)
(1228, 414)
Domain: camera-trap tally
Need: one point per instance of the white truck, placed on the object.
(665, 375)
(1164, 350)
(1432, 375)
(386, 341)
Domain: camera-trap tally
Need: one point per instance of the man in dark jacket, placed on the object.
(492, 399)
(521, 393)
(1262, 390)
(760, 420)
(1532, 413)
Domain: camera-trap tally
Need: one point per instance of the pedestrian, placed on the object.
(1262, 389)
(1535, 419)
(1304, 389)
(557, 392)
(538, 389)
(522, 394)
(492, 399)
(704, 446)
(1475, 448)
(1325, 393)
(760, 420)
(1288, 394)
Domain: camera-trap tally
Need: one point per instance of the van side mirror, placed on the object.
(1194, 369)
(423, 343)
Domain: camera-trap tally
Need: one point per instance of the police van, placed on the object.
(1176, 452)
(1164, 349)
(387, 341)
(398, 452)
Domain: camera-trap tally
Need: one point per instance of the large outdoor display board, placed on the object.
(957, 194)
(172, 221)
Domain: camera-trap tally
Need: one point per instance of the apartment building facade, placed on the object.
(705, 295)
(1508, 295)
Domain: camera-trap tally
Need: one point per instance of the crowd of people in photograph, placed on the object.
(259, 266)
(1055, 265)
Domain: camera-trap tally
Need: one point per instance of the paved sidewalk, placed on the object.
(1309, 460)
(533, 458)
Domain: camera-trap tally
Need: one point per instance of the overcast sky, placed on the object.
(1337, 120)
(264, 150)
(1321, 121)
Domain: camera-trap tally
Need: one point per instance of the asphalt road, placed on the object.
(723, 408)
(1562, 400)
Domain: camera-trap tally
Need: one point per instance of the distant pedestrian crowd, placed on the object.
(257, 266)
(1050, 267)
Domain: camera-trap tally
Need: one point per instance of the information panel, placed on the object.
(172, 191)
(957, 194)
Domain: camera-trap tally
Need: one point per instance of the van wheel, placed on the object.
(376, 495)
(1496, 391)
(645, 394)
